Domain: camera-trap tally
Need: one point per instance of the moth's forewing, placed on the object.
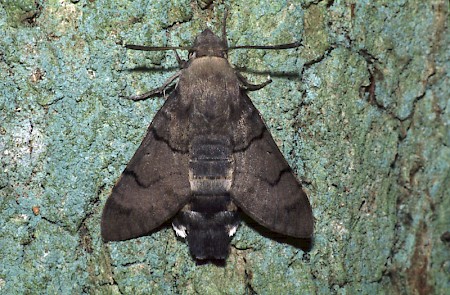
(153, 187)
(264, 185)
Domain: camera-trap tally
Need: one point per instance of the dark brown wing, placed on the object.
(154, 186)
(264, 186)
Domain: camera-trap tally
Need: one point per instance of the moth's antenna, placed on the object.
(224, 28)
(155, 48)
(275, 47)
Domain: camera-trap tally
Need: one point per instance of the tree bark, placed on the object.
(360, 111)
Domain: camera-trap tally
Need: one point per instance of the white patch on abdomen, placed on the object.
(180, 231)
(232, 230)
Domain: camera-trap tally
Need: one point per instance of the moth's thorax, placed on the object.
(207, 65)
(211, 74)
(212, 88)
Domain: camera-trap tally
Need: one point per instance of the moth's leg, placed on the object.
(224, 28)
(155, 91)
(249, 86)
(181, 63)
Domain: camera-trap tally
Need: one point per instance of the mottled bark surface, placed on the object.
(360, 111)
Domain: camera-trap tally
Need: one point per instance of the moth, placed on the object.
(206, 157)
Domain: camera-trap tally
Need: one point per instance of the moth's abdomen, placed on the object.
(208, 225)
(210, 166)
(210, 219)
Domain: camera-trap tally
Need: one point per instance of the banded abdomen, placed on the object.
(210, 218)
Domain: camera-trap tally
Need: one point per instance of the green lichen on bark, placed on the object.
(360, 111)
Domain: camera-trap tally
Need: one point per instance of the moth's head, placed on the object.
(208, 44)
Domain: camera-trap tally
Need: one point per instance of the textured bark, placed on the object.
(360, 112)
